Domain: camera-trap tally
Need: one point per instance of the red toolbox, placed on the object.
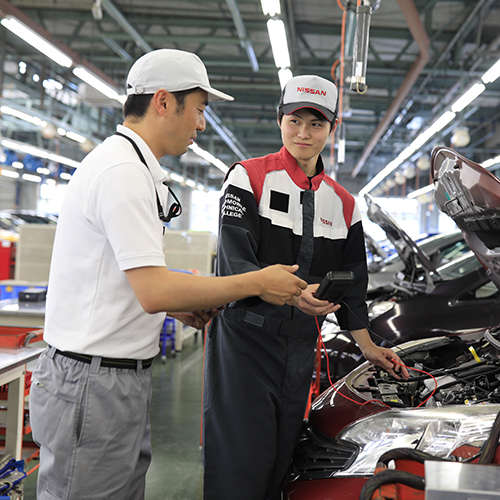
(13, 337)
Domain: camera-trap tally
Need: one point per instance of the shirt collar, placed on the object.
(298, 175)
(159, 175)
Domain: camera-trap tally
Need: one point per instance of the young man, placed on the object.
(259, 357)
(109, 290)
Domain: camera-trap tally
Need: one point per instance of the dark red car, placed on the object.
(448, 410)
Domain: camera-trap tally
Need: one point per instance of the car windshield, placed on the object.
(460, 267)
(34, 218)
(448, 252)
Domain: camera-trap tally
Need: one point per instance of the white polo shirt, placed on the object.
(108, 223)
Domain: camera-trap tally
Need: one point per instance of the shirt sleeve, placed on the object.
(123, 207)
(353, 315)
(239, 226)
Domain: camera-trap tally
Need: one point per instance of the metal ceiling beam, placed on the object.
(245, 41)
(113, 11)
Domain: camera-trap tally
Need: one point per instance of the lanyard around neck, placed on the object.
(176, 209)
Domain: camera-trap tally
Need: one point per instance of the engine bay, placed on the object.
(451, 371)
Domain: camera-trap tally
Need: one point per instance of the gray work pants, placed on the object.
(92, 426)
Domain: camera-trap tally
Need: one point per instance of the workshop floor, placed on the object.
(176, 470)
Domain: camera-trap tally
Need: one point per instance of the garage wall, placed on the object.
(16, 194)
(7, 193)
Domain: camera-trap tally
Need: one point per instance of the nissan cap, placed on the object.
(310, 91)
(171, 70)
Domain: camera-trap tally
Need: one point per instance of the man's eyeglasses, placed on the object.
(175, 208)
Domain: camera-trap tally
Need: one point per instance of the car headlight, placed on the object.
(376, 309)
(438, 431)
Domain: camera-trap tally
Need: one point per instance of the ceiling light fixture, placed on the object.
(9, 173)
(7, 110)
(36, 41)
(270, 7)
(421, 191)
(284, 75)
(471, 94)
(492, 74)
(75, 137)
(438, 125)
(279, 43)
(95, 82)
(32, 178)
(37, 152)
(492, 161)
(176, 177)
(209, 157)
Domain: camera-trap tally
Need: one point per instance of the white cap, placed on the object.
(171, 70)
(310, 91)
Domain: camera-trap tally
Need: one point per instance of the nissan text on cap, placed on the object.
(171, 70)
(310, 91)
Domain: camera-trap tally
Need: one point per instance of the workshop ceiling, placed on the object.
(417, 66)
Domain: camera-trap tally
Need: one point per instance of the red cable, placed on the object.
(371, 400)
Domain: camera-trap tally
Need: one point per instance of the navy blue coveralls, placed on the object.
(259, 357)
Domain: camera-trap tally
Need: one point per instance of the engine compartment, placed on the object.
(457, 371)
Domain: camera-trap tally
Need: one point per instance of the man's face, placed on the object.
(185, 122)
(304, 135)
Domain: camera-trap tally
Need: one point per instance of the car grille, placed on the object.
(318, 457)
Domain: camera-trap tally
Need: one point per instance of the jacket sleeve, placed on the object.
(239, 226)
(353, 315)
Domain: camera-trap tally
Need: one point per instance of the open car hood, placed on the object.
(470, 195)
(407, 249)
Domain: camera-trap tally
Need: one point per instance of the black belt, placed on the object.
(126, 363)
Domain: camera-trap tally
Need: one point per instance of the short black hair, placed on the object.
(314, 111)
(137, 105)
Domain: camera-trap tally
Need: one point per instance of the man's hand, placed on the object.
(279, 284)
(309, 304)
(196, 319)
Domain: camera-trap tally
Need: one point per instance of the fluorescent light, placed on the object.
(75, 137)
(65, 175)
(95, 82)
(7, 110)
(43, 171)
(279, 44)
(38, 152)
(9, 173)
(32, 178)
(439, 124)
(17, 164)
(393, 165)
(421, 191)
(209, 157)
(36, 41)
(62, 159)
(463, 101)
(176, 177)
(492, 74)
(270, 7)
(284, 74)
(191, 183)
(493, 161)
